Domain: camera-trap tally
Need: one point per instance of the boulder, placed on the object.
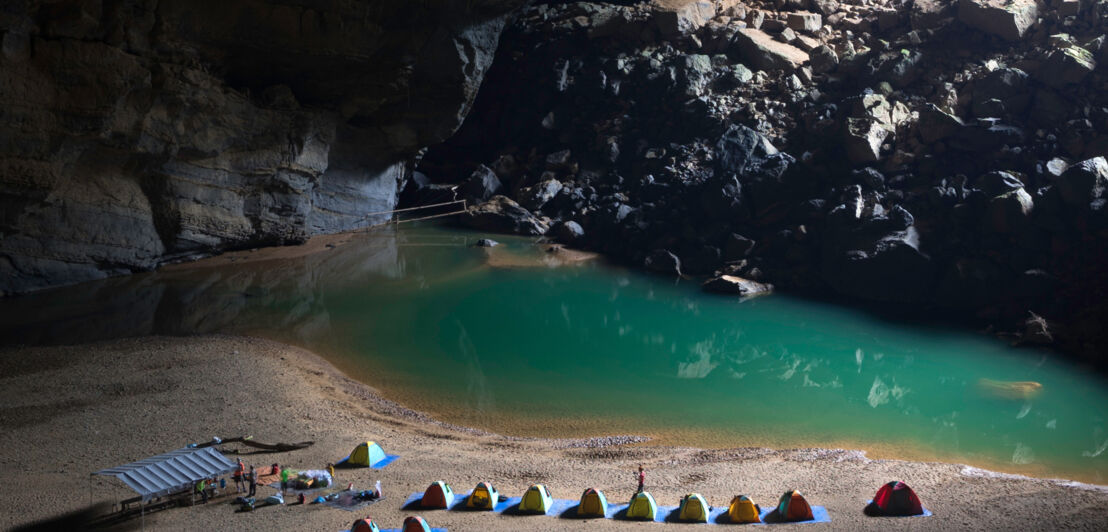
(568, 233)
(502, 215)
(888, 268)
(486, 243)
(722, 197)
(824, 59)
(760, 50)
(1084, 182)
(662, 261)
(731, 284)
(803, 21)
(1010, 87)
(997, 182)
(695, 72)
(1008, 212)
(862, 139)
(930, 14)
(737, 247)
(1007, 19)
(536, 196)
(1066, 66)
(681, 17)
(481, 185)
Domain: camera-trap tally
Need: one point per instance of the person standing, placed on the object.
(284, 479)
(642, 479)
(253, 479)
(239, 477)
(202, 487)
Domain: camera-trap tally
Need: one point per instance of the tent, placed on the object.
(593, 504)
(743, 510)
(895, 498)
(536, 500)
(438, 495)
(366, 454)
(415, 523)
(364, 525)
(171, 472)
(642, 507)
(484, 497)
(693, 509)
(793, 507)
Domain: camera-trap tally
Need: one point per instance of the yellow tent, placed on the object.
(366, 454)
(593, 504)
(743, 510)
(484, 497)
(642, 507)
(693, 508)
(537, 500)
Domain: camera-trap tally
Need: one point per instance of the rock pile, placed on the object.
(945, 155)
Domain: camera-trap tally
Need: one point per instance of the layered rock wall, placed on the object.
(138, 131)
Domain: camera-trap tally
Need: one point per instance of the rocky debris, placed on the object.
(1007, 19)
(486, 243)
(905, 158)
(764, 52)
(730, 284)
(1036, 331)
(502, 215)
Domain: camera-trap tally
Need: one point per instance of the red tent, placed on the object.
(896, 498)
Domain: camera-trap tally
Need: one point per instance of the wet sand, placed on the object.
(68, 411)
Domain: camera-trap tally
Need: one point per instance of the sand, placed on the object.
(69, 411)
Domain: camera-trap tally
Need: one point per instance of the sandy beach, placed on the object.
(69, 411)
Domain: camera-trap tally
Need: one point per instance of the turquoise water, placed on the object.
(504, 341)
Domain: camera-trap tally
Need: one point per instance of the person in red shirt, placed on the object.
(642, 478)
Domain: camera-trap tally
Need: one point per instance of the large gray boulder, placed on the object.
(502, 215)
(1007, 19)
(1084, 182)
(1066, 65)
(758, 49)
(681, 17)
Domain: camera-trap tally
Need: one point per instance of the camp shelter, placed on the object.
(593, 504)
(438, 495)
(693, 509)
(415, 523)
(536, 500)
(743, 510)
(793, 507)
(895, 498)
(364, 525)
(366, 454)
(484, 497)
(642, 507)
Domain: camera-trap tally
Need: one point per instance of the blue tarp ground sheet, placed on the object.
(400, 530)
(388, 459)
(926, 512)
(567, 509)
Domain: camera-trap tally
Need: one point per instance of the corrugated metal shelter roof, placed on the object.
(171, 472)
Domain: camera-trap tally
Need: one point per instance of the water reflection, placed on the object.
(425, 317)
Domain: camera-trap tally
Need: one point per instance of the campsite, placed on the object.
(548, 265)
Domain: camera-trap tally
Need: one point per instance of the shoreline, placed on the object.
(113, 402)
